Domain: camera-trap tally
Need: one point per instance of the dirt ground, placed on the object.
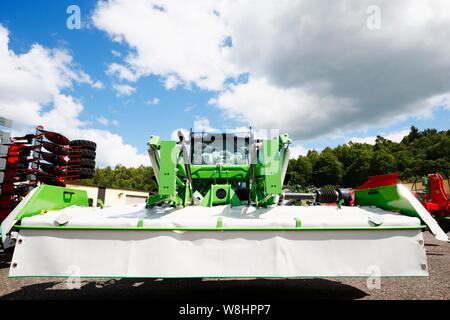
(436, 286)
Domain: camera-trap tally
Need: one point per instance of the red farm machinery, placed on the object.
(45, 157)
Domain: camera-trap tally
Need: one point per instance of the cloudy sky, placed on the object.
(326, 72)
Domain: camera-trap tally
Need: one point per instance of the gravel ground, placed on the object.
(436, 286)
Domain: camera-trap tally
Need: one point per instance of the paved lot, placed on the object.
(437, 286)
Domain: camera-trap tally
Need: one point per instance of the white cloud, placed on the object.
(314, 67)
(202, 124)
(395, 136)
(153, 102)
(31, 94)
(122, 72)
(106, 122)
(98, 85)
(102, 120)
(189, 108)
(183, 42)
(171, 82)
(116, 53)
(297, 151)
(329, 72)
(292, 110)
(174, 134)
(123, 90)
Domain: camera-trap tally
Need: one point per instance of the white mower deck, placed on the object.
(283, 241)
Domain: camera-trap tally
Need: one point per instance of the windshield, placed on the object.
(222, 148)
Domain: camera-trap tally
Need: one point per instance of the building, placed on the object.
(112, 197)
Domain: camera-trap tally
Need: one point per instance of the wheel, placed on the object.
(82, 162)
(82, 153)
(85, 144)
(86, 173)
(445, 225)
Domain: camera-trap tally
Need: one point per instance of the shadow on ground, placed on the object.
(5, 258)
(192, 289)
(181, 289)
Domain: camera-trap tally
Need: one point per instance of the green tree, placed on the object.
(359, 169)
(382, 162)
(141, 178)
(418, 154)
(327, 169)
(300, 171)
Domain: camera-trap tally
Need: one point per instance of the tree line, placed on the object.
(121, 177)
(347, 165)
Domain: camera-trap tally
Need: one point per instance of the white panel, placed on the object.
(130, 199)
(245, 217)
(219, 254)
(423, 213)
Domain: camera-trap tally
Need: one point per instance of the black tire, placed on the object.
(85, 144)
(86, 173)
(445, 225)
(82, 153)
(82, 162)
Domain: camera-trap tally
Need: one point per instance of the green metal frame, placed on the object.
(217, 184)
(208, 179)
(48, 198)
(167, 176)
(230, 197)
(386, 198)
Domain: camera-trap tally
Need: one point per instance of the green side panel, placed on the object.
(272, 167)
(167, 174)
(47, 198)
(386, 198)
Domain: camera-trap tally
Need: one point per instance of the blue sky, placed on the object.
(45, 23)
(257, 65)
